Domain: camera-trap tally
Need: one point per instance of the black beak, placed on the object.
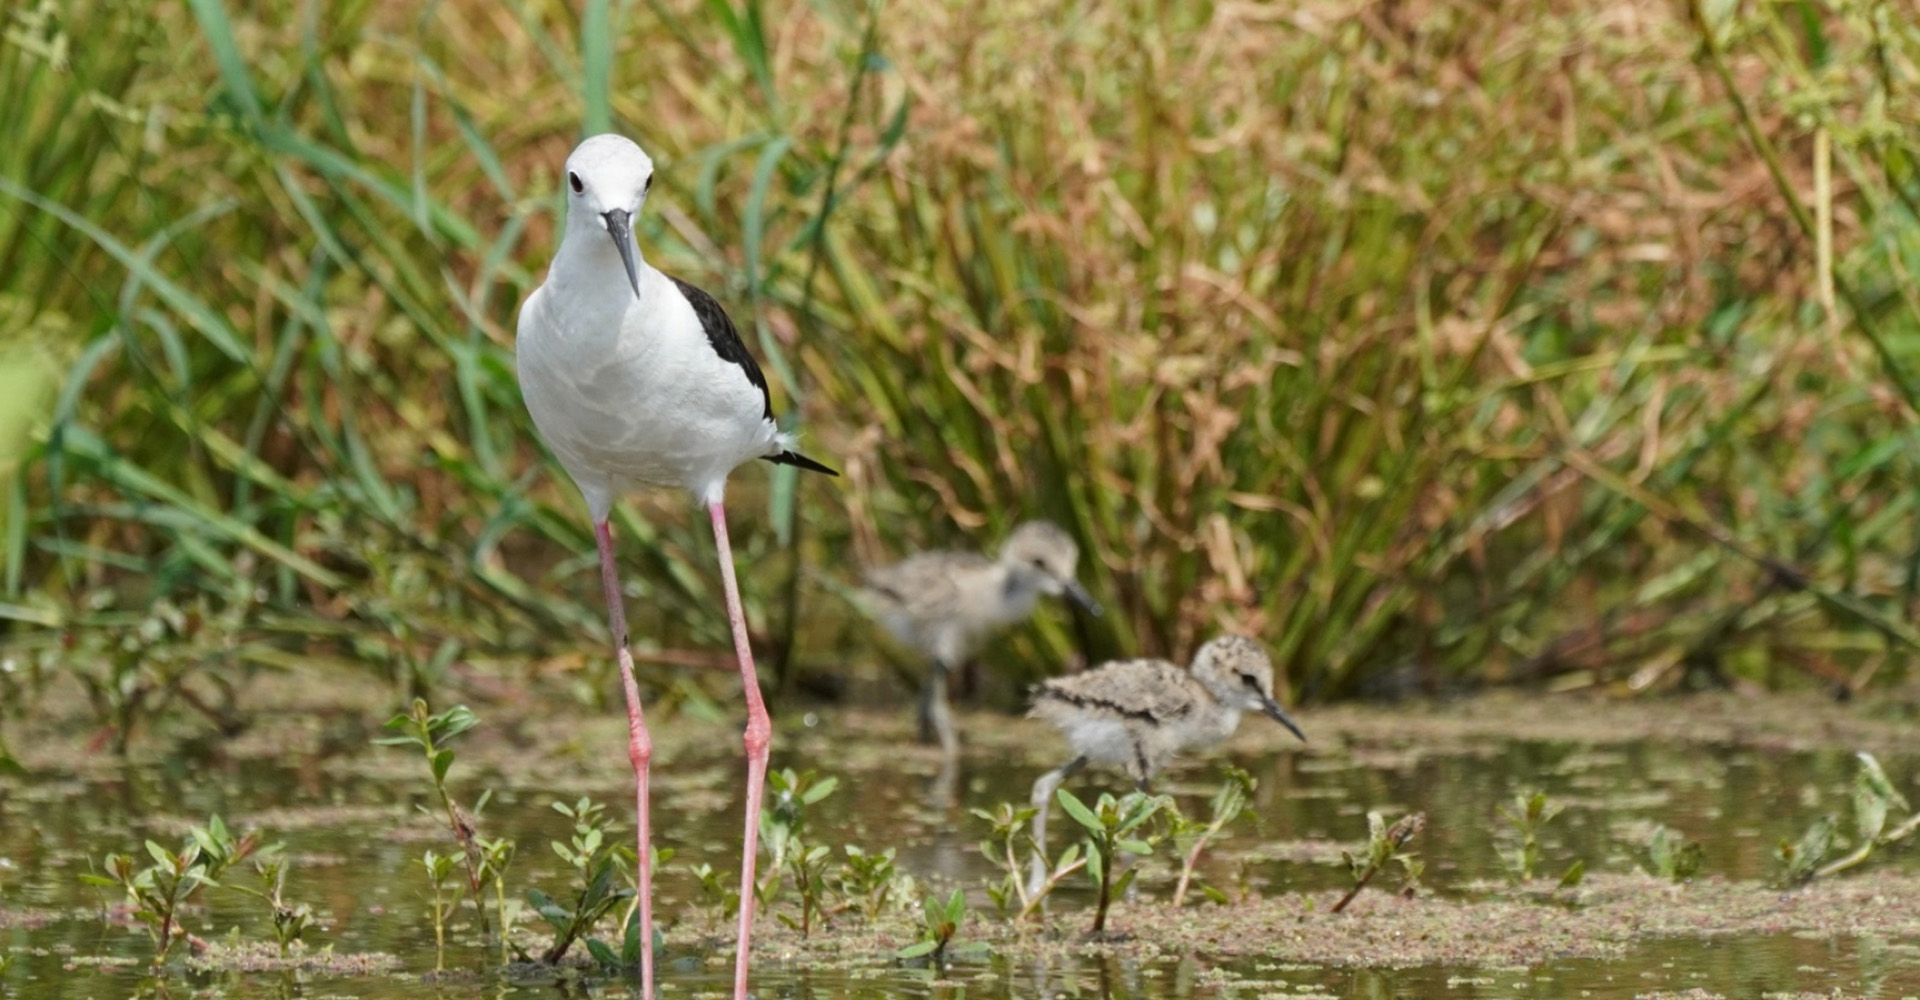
(1276, 713)
(620, 227)
(1078, 595)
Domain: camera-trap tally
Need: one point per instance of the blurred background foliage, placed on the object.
(1436, 343)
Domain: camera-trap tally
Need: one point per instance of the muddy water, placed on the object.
(350, 816)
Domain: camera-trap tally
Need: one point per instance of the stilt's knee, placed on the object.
(640, 749)
(758, 737)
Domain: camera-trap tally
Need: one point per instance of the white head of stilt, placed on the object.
(608, 177)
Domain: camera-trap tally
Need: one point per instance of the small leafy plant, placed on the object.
(939, 922)
(870, 880)
(1671, 855)
(1009, 829)
(716, 891)
(1530, 814)
(290, 920)
(1191, 837)
(597, 869)
(446, 895)
(431, 732)
(783, 825)
(1875, 801)
(1384, 847)
(1112, 827)
(158, 891)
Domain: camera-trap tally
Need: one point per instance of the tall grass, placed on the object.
(1430, 342)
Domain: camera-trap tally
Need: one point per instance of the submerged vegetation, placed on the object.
(1430, 345)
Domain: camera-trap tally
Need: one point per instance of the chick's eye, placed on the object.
(573, 180)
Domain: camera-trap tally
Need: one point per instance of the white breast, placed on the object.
(643, 399)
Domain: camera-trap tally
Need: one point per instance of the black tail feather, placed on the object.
(800, 461)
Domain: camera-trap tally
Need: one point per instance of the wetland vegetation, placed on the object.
(1564, 353)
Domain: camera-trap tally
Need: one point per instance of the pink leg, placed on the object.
(639, 750)
(758, 738)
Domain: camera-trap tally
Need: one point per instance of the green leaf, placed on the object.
(1139, 847)
(1214, 894)
(218, 33)
(549, 911)
(601, 953)
(1078, 810)
(1126, 879)
(1574, 874)
(1068, 857)
(918, 949)
(442, 760)
(820, 791)
(1096, 865)
(89, 878)
(452, 722)
(630, 943)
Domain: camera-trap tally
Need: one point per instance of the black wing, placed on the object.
(726, 342)
(723, 337)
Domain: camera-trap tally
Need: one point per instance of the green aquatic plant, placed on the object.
(871, 881)
(596, 864)
(808, 865)
(628, 957)
(783, 827)
(1384, 847)
(1009, 829)
(431, 732)
(939, 922)
(1191, 837)
(496, 856)
(290, 920)
(439, 869)
(1875, 801)
(1673, 855)
(1525, 820)
(718, 892)
(1800, 859)
(158, 891)
(1112, 827)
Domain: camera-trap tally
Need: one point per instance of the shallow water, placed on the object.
(348, 814)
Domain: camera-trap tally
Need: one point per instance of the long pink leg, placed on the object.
(758, 738)
(639, 750)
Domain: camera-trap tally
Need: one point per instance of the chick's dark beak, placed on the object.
(620, 227)
(1078, 595)
(1273, 711)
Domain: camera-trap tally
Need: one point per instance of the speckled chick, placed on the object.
(1137, 714)
(945, 604)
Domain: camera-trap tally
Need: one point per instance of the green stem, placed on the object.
(1106, 889)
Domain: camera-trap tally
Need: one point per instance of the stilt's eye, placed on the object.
(648, 186)
(573, 180)
(1250, 681)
